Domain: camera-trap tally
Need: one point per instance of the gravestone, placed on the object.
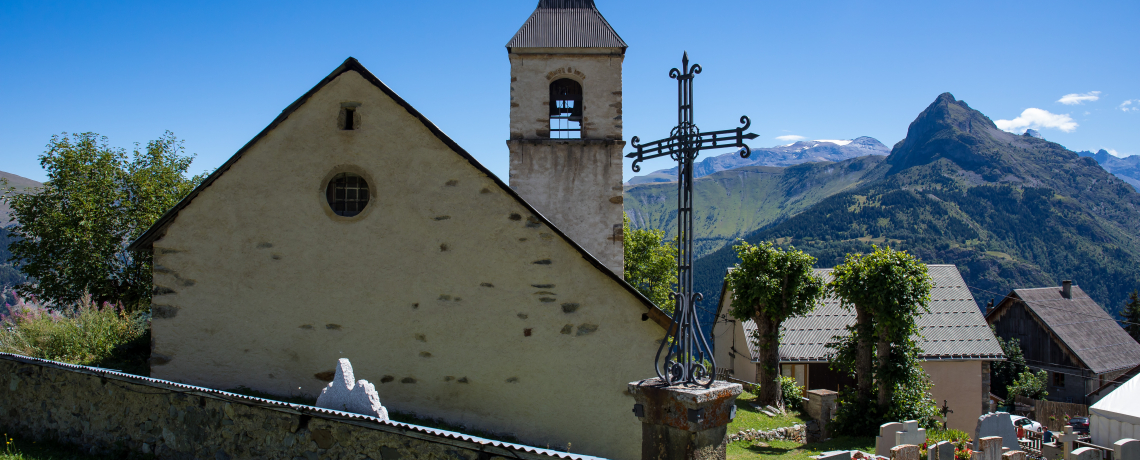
(886, 438)
(990, 447)
(904, 452)
(1085, 453)
(1127, 449)
(996, 424)
(1067, 442)
(834, 455)
(358, 397)
(911, 434)
(1013, 455)
(944, 450)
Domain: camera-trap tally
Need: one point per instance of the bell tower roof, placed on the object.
(566, 24)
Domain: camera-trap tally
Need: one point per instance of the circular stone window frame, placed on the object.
(322, 194)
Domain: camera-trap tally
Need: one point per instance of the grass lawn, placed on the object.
(749, 417)
(788, 450)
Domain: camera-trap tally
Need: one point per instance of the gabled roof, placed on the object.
(953, 329)
(566, 24)
(1079, 326)
(156, 231)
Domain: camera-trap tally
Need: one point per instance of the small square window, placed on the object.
(1058, 379)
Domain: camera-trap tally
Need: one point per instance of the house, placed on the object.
(353, 227)
(1064, 332)
(957, 346)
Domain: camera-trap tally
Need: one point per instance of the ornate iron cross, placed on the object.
(688, 349)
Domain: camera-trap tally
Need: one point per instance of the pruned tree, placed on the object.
(650, 264)
(770, 285)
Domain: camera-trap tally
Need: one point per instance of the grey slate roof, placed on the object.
(1081, 325)
(954, 328)
(566, 24)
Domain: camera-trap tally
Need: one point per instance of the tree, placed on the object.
(650, 264)
(1131, 314)
(770, 285)
(72, 233)
(1029, 385)
(1005, 372)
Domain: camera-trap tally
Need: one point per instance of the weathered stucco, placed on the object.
(576, 183)
(446, 292)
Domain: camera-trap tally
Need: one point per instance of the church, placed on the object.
(353, 227)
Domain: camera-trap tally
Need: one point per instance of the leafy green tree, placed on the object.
(650, 264)
(72, 234)
(1005, 372)
(1029, 385)
(1131, 314)
(770, 285)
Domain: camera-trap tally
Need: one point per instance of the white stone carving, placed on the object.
(344, 395)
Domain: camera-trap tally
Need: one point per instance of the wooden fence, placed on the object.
(1053, 414)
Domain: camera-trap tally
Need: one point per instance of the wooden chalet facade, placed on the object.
(1064, 332)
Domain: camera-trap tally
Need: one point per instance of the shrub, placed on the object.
(936, 436)
(86, 333)
(793, 394)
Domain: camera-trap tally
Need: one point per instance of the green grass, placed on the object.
(749, 417)
(788, 450)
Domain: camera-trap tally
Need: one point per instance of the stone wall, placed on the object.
(108, 412)
(795, 433)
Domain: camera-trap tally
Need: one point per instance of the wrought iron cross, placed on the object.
(688, 349)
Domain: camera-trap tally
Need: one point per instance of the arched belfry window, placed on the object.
(565, 109)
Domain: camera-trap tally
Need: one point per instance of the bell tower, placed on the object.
(565, 137)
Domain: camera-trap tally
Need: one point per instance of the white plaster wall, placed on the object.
(960, 384)
(431, 292)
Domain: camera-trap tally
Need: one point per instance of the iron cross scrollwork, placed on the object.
(685, 362)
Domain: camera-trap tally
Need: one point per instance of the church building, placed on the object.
(353, 227)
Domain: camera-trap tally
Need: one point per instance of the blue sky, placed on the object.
(217, 73)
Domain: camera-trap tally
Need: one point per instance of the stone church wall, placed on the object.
(113, 413)
(447, 292)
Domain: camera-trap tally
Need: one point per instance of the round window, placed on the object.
(347, 194)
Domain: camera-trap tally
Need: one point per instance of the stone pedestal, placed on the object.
(684, 422)
(821, 408)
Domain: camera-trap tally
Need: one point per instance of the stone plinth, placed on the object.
(821, 408)
(905, 452)
(684, 422)
(990, 447)
(1013, 455)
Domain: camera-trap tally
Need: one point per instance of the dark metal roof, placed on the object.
(156, 231)
(1080, 325)
(566, 24)
(507, 449)
(953, 329)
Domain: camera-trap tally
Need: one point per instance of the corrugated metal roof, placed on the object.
(1085, 328)
(566, 24)
(953, 329)
(406, 429)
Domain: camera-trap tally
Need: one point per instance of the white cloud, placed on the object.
(790, 138)
(1128, 107)
(1074, 98)
(1036, 119)
(1113, 153)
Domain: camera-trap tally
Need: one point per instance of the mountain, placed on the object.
(734, 202)
(780, 155)
(9, 276)
(20, 183)
(1010, 211)
(1127, 168)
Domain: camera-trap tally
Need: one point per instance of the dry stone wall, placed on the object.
(108, 412)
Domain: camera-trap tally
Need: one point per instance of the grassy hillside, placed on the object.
(732, 203)
(1011, 211)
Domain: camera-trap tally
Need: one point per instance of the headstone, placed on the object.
(834, 455)
(996, 424)
(1066, 441)
(358, 397)
(886, 438)
(911, 434)
(944, 450)
(990, 447)
(1127, 449)
(904, 452)
(1013, 455)
(1085, 453)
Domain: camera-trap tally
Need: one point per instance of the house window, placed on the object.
(565, 109)
(349, 119)
(1058, 379)
(347, 194)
